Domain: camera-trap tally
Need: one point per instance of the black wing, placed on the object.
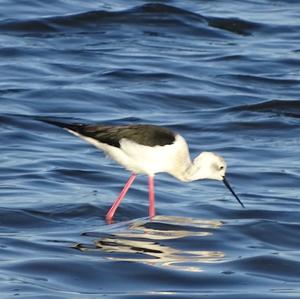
(149, 135)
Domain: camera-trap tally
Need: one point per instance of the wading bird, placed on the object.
(149, 149)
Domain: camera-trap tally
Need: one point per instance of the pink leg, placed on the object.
(110, 214)
(151, 197)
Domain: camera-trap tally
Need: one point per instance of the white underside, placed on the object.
(173, 158)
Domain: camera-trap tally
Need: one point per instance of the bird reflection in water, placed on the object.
(142, 241)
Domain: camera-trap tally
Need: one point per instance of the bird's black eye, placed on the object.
(221, 167)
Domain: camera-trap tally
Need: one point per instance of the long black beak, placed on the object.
(231, 190)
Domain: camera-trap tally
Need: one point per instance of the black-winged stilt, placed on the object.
(149, 149)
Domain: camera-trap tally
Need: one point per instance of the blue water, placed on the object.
(224, 75)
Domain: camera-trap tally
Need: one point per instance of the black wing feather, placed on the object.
(148, 135)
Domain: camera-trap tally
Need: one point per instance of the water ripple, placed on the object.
(147, 15)
(223, 74)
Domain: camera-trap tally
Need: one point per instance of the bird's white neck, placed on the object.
(207, 165)
(188, 174)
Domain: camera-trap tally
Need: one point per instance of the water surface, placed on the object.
(224, 75)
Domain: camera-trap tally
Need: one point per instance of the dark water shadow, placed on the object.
(160, 242)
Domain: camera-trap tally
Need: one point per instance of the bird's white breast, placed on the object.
(151, 160)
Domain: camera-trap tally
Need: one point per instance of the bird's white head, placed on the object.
(209, 165)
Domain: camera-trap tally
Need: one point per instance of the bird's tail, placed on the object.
(76, 127)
